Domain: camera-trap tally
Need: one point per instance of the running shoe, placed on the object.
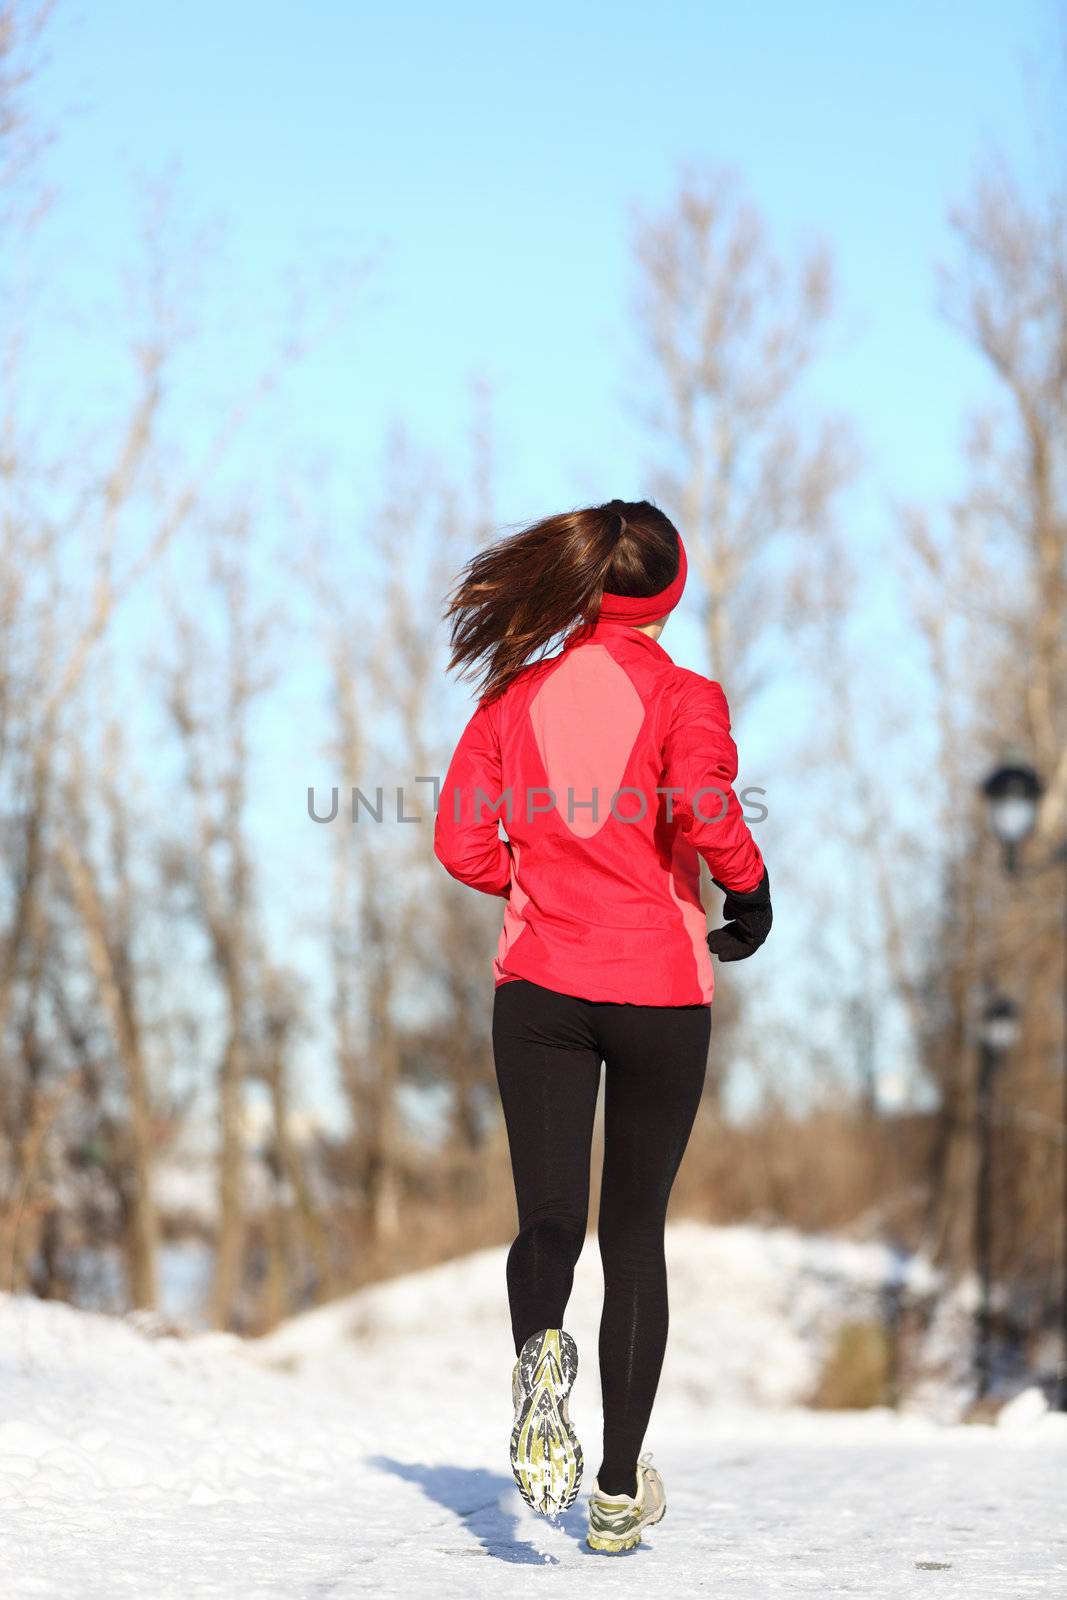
(616, 1521)
(546, 1457)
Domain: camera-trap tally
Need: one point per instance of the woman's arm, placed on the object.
(700, 760)
(466, 838)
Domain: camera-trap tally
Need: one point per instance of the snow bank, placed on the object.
(92, 1406)
(753, 1313)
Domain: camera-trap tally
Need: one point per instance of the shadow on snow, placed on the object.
(480, 1499)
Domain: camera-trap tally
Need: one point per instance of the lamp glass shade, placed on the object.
(1012, 817)
(999, 1027)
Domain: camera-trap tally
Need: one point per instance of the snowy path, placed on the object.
(168, 1468)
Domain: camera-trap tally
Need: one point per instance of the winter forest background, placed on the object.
(264, 391)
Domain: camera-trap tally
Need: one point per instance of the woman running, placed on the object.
(611, 771)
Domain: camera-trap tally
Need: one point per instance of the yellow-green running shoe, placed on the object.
(546, 1457)
(616, 1521)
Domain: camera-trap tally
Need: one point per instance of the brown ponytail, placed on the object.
(519, 594)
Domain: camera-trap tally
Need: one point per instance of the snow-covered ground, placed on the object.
(362, 1449)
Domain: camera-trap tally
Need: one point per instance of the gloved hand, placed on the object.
(750, 921)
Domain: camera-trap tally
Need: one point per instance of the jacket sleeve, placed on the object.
(700, 761)
(466, 839)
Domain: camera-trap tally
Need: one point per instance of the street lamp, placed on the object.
(1012, 792)
(998, 1029)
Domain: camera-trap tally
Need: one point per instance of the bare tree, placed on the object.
(109, 923)
(301, 1266)
(1008, 297)
(407, 948)
(730, 335)
(990, 581)
(209, 696)
(23, 27)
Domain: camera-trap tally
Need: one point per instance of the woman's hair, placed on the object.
(514, 597)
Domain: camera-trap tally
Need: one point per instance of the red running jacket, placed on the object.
(611, 770)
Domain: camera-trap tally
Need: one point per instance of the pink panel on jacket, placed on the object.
(695, 922)
(586, 717)
(513, 918)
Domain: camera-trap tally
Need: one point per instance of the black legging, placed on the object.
(548, 1048)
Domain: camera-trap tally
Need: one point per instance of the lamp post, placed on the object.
(998, 1029)
(1012, 792)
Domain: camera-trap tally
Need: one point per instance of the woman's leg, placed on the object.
(548, 1070)
(655, 1059)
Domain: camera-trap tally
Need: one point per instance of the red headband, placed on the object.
(640, 608)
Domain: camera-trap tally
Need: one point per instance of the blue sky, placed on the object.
(489, 161)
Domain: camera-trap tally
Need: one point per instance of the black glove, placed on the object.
(749, 924)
